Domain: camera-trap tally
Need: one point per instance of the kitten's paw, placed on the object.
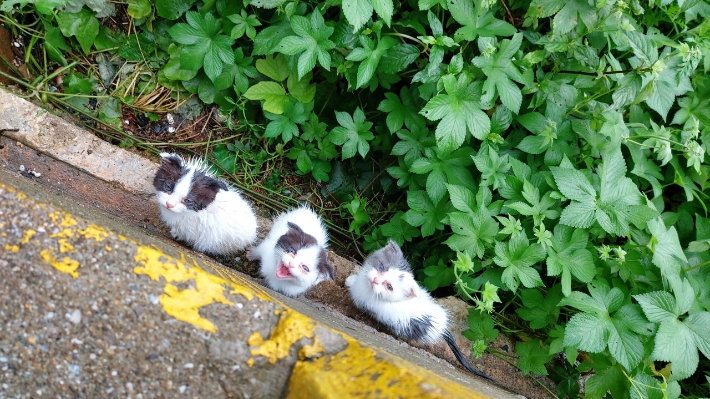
(350, 280)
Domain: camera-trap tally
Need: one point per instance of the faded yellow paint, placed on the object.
(62, 219)
(64, 246)
(27, 236)
(65, 265)
(182, 304)
(12, 248)
(360, 372)
(309, 351)
(21, 196)
(108, 249)
(95, 232)
(250, 362)
(292, 326)
(65, 233)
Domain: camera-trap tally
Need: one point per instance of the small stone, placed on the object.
(75, 316)
(127, 122)
(94, 307)
(49, 315)
(129, 386)
(73, 368)
(22, 168)
(239, 305)
(76, 341)
(36, 174)
(3, 359)
(154, 299)
(114, 373)
(92, 356)
(189, 365)
(171, 129)
(257, 314)
(182, 389)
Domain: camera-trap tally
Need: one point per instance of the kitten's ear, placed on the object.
(295, 228)
(324, 267)
(171, 160)
(393, 248)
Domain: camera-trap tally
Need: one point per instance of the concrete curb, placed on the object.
(317, 361)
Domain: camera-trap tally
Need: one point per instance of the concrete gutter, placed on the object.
(90, 312)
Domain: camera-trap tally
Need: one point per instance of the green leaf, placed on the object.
(285, 124)
(480, 326)
(370, 56)
(82, 25)
(538, 310)
(587, 332)
(573, 11)
(244, 24)
(357, 12)
(172, 9)
(353, 133)
(203, 45)
(311, 42)
(477, 21)
(493, 168)
(357, 210)
(569, 257)
(443, 168)
(401, 113)
(272, 93)
(138, 9)
(500, 69)
(398, 58)
(458, 111)
(273, 67)
(302, 90)
(399, 230)
(412, 143)
(532, 357)
(425, 214)
(384, 9)
(517, 257)
(667, 252)
(472, 232)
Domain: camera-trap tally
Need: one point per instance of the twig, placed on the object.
(512, 20)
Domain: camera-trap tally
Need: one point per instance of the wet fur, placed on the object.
(208, 215)
(302, 231)
(408, 310)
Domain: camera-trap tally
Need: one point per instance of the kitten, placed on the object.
(201, 209)
(385, 287)
(293, 255)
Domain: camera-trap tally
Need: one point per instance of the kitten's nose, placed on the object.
(374, 281)
(169, 205)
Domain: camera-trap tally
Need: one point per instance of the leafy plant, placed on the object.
(546, 159)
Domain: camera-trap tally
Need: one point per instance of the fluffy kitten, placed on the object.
(385, 287)
(293, 255)
(201, 209)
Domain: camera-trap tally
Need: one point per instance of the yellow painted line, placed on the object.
(360, 372)
(355, 372)
(292, 326)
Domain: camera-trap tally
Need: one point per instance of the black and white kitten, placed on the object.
(293, 255)
(385, 287)
(201, 209)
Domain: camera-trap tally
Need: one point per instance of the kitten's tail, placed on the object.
(460, 357)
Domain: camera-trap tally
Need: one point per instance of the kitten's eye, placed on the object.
(306, 269)
(188, 202)
(389, 287)
(292, 251)
(381, 267)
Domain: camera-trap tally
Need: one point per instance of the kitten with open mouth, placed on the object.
(293, 254)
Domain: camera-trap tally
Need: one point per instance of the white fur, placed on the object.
(225, 226)
(396, 309)
(270, 258)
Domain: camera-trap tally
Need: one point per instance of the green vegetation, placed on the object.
(545, 156)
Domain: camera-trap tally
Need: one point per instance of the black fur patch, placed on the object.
(203, 191)
(324, 267)
(295, 239)
(170, 171)
(418, 328)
